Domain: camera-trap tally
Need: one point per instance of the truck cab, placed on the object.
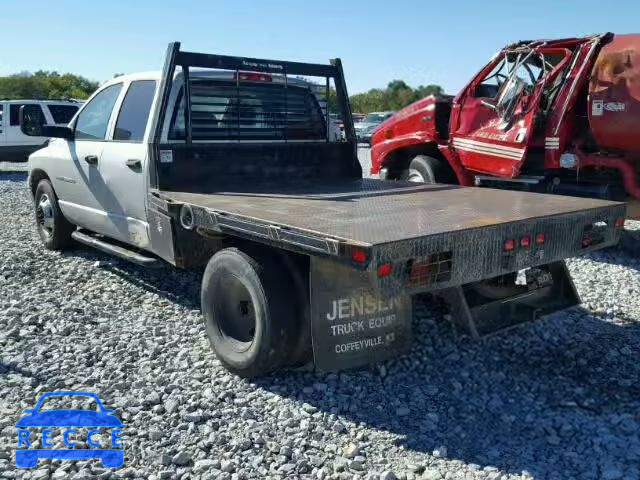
(101, 175)
(554, 116)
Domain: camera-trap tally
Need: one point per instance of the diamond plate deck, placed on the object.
(374, 212)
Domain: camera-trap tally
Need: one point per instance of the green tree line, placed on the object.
(45, 84)
(397, 95)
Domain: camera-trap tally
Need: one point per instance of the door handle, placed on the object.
(134, 164)
(91, 159)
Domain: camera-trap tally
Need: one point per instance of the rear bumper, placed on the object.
(477, 254)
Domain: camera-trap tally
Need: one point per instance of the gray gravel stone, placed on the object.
(181, 458)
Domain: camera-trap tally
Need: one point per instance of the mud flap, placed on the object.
(352, 324)
(549, 290)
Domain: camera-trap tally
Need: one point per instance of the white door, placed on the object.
(79, 184)
(123, 166)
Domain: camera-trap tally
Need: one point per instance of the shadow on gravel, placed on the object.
(179, 286)
(540, 398)
(626, 253)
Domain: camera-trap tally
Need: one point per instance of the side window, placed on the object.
(93, 120)
(14, 114)
(134, 113)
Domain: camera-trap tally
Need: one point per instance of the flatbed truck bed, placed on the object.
(373, 212)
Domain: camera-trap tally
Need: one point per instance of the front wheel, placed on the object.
(426, 169)
(248, 313)
(54, 230)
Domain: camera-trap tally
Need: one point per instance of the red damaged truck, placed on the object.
(553, 116)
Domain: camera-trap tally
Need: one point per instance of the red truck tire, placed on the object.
(426, 169)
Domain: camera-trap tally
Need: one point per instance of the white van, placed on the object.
(15, 146)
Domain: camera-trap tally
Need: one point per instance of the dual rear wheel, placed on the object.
(254, 311)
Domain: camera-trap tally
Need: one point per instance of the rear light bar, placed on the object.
(525, 242)
(253, 76)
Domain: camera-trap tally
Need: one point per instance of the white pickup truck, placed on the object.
(233, 163)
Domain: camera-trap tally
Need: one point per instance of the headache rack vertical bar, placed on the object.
(187, 104)
(286, 106)
(345, 108)
(326, 109)
(238, 101)
(160, 110)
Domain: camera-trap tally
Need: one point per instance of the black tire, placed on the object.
(426, 169)
(249, 316)
(54, 230)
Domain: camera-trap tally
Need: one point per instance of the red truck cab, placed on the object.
(556, 116)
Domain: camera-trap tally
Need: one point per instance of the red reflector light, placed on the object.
(525, 241)
(540, 238)
(253, 76)
(358, 255)
(385, 269)
(619, 222)
(509, 245)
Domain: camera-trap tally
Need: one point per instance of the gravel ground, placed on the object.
(556, 399)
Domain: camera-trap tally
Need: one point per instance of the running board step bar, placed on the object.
(477, 315)
(119, 251)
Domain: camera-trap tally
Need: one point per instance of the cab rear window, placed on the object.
(224, 110)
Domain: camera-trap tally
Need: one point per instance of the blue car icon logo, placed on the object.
(65, 420)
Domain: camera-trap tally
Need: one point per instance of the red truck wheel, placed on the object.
(426, 169)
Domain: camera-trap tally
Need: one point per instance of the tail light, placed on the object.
(253, 77)
(525, 242)
(385, 270)
(509, 245)
(587, 240)
(540, 238)
(620, 222)
(358, 255)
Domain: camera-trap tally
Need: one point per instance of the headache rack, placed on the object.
(247, 70)
(249, 104)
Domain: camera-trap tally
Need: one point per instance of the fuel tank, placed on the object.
(614, 95)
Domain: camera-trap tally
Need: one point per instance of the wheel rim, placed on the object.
(235, 314)
(44, 214)
(415, 176)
